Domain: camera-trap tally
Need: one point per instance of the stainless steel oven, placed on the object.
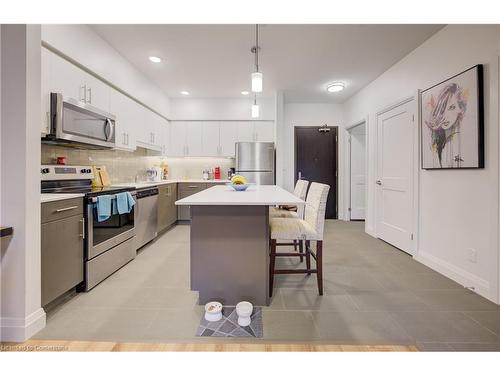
(72, 121)
(110, 243)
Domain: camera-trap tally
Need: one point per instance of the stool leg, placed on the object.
(271, 267)
(295, 245)
(301, 250)
(308, 257)
(319, 265)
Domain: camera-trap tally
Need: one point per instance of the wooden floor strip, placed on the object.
(94, 346)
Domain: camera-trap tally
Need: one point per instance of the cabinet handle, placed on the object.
(66, 209)
(90, 95)
(83, 229)
(84, 96)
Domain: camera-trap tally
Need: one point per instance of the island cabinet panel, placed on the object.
(167, 212)
(230, 254)
(185, 190)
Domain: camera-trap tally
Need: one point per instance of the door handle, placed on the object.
(378, 182)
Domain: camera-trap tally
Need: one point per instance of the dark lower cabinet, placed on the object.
(62, 262)
(167, 211)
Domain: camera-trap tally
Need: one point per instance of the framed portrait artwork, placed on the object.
(452, 122)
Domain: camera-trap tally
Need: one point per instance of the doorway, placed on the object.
(316, 160)
(394, 183)
(357, 168)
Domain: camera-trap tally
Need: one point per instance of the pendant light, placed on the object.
(255, 107)
(256, 76)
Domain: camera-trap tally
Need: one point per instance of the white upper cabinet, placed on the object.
(177, 139)
(72, 82)
(245, 131)
(264, 131)
(194, 142)
(165, 137)
(46, 89)
(97, 93)
(126, 115)
(66, 78)
(228, 137)
(210, 139)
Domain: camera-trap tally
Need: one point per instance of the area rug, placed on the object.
(228, 325)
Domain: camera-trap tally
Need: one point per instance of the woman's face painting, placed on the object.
(451, 113)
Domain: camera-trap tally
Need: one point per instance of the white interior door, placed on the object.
(395, 171)
(358, 171)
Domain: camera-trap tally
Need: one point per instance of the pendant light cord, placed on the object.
(257, 47)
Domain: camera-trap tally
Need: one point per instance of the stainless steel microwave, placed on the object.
(72, 121)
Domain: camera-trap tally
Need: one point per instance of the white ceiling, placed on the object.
(215, 60)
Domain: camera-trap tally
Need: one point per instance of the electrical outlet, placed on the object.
(472, 255)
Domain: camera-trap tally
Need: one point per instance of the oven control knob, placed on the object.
(45, 170)
(89, 170)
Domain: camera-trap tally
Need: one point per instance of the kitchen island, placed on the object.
(230, 242)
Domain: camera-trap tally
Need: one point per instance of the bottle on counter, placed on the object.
(205, 174)
(164, 167)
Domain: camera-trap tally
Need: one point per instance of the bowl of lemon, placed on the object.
(238, 183)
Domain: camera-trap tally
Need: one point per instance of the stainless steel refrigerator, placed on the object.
(255, 161)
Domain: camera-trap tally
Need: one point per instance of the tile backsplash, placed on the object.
(125, 166)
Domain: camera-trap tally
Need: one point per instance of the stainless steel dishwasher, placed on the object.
(146, 215)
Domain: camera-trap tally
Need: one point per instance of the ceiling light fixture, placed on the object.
(245, 92)
(255, 107)
(335, 87)
(256, 76)
(154, 59)
(185, 92)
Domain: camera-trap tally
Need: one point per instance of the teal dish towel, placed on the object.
(124, 202)
(103, 207)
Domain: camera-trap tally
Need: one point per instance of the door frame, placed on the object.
(347, 165)
(336, 130)
(415, 173)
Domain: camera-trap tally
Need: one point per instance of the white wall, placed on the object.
(310, 114)
(220, 109)
(21, 314)
(82, 44)
(457, 210)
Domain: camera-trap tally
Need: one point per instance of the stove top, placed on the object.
(88, 190)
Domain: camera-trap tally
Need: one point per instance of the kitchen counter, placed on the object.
(256, 195)
(229, 255)
(49, 197)
(140, 185)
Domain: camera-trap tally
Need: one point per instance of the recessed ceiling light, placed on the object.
(245, 93)
(154, 59)
(335, 87)
(185, 92)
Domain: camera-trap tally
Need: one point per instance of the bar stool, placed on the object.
(309, 229)
(294, 212)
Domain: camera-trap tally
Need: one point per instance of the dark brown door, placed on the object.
(316, 160)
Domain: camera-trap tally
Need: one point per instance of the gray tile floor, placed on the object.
(374, 294)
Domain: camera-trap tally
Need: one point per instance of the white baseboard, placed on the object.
(467, 279)
(370, 231)
(21, 329)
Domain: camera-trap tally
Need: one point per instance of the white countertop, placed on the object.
(49, 197)
(256, 195)
(140, 185)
